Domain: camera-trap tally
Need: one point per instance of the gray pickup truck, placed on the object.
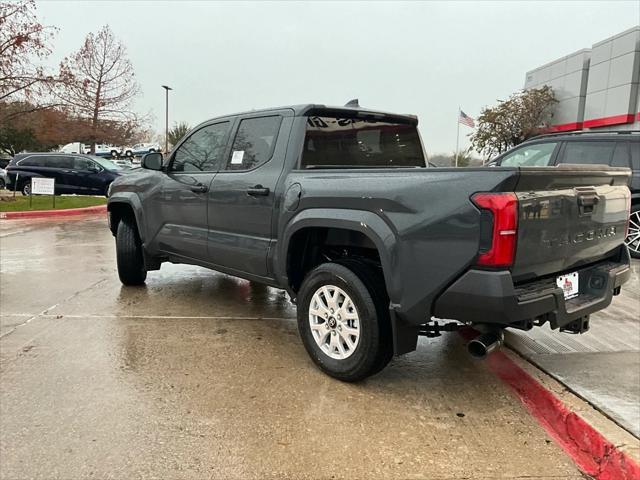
(338, 207)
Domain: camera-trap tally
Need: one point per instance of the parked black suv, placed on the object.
(617, 149)
(79, 174)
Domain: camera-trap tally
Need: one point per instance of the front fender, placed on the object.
(133, 201)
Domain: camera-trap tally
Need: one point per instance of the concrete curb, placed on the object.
(54, 213)
(590, 450)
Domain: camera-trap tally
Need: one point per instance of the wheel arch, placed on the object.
(20, 178)
(367, 225)
(123, 206)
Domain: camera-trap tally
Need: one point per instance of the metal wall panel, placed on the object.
(597, 87)
(567, 76)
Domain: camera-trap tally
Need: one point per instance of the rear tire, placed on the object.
(131, 267)
(633, 239)
(26, 188)
(326, 342)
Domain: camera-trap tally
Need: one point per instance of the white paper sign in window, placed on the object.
(236, 158)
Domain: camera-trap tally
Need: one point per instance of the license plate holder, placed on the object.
(569, 284)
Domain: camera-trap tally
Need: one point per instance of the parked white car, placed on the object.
(102, 149)
(140, 149)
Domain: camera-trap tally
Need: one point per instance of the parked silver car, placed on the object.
(3, 178)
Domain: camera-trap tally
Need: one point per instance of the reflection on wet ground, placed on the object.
(201, 375)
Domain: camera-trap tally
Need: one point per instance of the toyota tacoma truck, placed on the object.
(338, 206)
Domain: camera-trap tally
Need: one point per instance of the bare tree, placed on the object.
(512, 121)
(23, 43)
(99, 83)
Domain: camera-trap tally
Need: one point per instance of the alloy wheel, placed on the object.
(334, 322)
(633, 237)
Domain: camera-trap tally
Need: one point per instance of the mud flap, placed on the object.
(405, 336)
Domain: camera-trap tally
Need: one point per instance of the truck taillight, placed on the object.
(504, 212)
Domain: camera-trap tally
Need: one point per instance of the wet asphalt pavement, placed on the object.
(201, 375)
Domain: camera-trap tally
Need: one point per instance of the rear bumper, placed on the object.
(481, 296)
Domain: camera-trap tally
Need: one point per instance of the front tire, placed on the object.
(26, 189)
(344, 322)
(131, 267)
(633, 238)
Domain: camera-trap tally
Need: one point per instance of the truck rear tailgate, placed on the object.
(568, 216)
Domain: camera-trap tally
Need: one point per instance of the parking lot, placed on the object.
(201, 375)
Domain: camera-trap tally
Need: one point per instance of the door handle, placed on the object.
(199, 188)
(258, 191)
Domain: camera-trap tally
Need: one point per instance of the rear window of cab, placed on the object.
(333, 142)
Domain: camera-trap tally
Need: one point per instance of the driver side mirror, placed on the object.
(152, 161)
(93, 168)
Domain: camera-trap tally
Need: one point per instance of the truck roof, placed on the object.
(320, 109)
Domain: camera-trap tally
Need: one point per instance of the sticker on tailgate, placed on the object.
(569, 284)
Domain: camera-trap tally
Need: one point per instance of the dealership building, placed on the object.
(597, 87)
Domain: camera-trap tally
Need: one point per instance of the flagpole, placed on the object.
(457, 137)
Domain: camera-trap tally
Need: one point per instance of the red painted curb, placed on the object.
(593, 453)
(54, 213)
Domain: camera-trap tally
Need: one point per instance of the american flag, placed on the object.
(465, 119)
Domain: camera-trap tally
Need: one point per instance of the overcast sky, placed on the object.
(422, 58)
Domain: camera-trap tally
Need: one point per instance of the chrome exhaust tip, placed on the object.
(485, 343)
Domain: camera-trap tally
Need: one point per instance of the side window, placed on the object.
(60, 161)
(536, 155)
(588, 152)
(254, 142)
(81, 164)
(203, 150)
(620, 155)
(35, 161)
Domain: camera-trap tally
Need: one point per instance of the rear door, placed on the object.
(59, 166)
(587, 152)
(242, 196)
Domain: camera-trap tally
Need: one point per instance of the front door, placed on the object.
(241, 198)
(85, 177)
(183, 199)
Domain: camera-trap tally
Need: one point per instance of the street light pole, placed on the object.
(166, 119)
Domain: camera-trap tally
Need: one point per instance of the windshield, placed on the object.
(104, 163)
(332, 142)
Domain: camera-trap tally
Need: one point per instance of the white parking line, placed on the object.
(197, 317)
